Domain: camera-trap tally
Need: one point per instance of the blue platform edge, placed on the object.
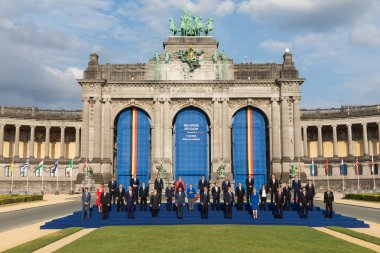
(315, 218)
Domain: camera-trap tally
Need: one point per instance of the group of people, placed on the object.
(175, 195)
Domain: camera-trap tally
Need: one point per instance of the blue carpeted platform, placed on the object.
(316, 219)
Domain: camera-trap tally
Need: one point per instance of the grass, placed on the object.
(43, 241)
(361, 236)
(204, 238)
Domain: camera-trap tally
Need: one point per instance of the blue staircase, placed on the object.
(315, 218)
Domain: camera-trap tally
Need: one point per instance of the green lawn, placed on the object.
(217, 238)
(42, 242)
(361, 236)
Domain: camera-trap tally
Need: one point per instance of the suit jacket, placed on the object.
(169, 192)
(296, 185)
(205, 199)
(144, 193)
(104, 200)
(249, 183)
(215, 194)
(310, 190)
(279, 199)
(120, 193)
(229, 198)
(328, 198)
(158, 185)
(112, 186)
(86, 199)
(134, 182)
(240, 193)
(304, 198)
(180, 200)
(273, 185)
(225, 185)
(154, 202)
(129, 199)
(287, 192)
(202, 185)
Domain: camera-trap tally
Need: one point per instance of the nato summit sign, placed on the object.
(192, 132)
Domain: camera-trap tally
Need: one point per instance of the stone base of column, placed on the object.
(286, 160)
(276, 168)
(96, 160)
(276, 160)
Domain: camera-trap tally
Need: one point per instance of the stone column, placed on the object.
(47, 142)
(297, 127)
(97, 128)
(62, 146)
(226, 132)
(320, 142)
(215, 129)
(1, 140)
(77, 142)
(305, 143)
(285, 124)
(276, 148)
(335, 142)
(85, 129)
(17, 142)
(157, 148)
(349, 133)
(167, 130)
(365, 139)
(31, 144)
(108, 141)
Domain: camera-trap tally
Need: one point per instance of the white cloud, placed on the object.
(275, 45)
(367, 35)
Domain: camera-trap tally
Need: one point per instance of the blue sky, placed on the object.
(45, 44)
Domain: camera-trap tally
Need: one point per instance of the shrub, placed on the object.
(19, 198)
(365, 196)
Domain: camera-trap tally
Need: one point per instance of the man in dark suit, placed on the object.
(120, 192)
(105, 202)
(272, 187)
(158, 185)
(112, 186)
(86, 203)
(311, 192)
(296, 185)
(226, 183)
(215, 191)
(304, 203)
(202, 184)
(249, 183)
(328, 199)
(180, 202)
(144, 194)
(288, 196)
(279, 203)
(130, 202)
(154, 204)
(204, 200)
(169, 195)
(229, 202)
(135, 183)
(240, 193)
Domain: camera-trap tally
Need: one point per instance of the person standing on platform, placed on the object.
(169, 195)
(204, 200)
(112, 186)
(202, 184)
(99, 192)
(215, 191)
(279, 203)
(240, 194)
(254, 198)
(328, 199)
(180, 202)
(144, 194)
(263, 198)
(229, 199)
(249, 183)
(311, 192)
(296, 185)
(226, 183)
(272, 186)
(190, 197)
(154, 204)
(120, 193)
(86, 203)
(159, 186)
(288, 196)
(105, 202)
(135, 183)
(180, 184)
(130, 202)
(304, 203)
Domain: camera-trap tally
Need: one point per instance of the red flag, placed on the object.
(327, 167)
(84, 166)
(357, 166)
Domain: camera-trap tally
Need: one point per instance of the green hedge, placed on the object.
(364, 196)
(10, 199)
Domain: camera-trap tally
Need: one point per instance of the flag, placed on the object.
(84, 166)
(327, 167)
(312, 167)
(55, 167)
(69, 169)
(342, 168)
(39, 166)
(373, 166)
(357, 166)
(12, 166)
(299, 167)
(25, 168)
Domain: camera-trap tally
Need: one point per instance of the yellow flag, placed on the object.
(12, 166)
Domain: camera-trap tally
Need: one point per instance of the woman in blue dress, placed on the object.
(254, 203)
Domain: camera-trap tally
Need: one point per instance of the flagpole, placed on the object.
(56, 171)
(358, 180)
(42, 180)
(27, 179)
(71, 180)
(12, 180)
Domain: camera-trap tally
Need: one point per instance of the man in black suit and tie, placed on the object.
(130, 202)
(249, 183)
(158, 185)
(204, 200)
(328, 199)
(112, 186)
(135, 183)
(202, 184)
(279, 203)
(215, 191)
(296, 185)
(86, 203)
(169, 195)
(229, 202)
(304, 203)
(144, 194)
(154, 204)
(180, 202)
(226, 183)
(311, 192)
(105, 202)
(272, 186)
(120, 192)
(240, 193)
(288, 196)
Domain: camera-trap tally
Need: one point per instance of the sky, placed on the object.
(45, 44)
